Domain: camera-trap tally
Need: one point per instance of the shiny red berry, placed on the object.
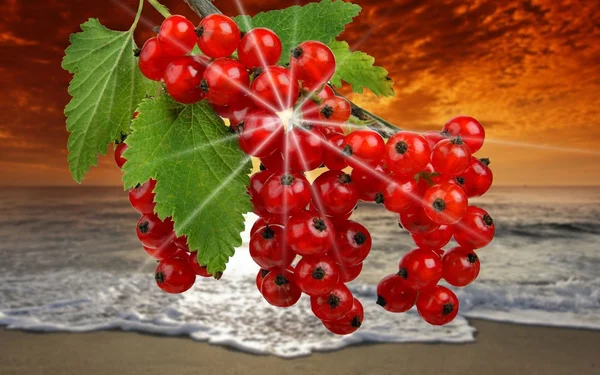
(437, 305)
(333, 158)
(394, 295)
(167, 250)
(174, 275)
(304, 149)
(152, 61)
(349, 323)
(153, 232)
(406, 153)
(274, 162)
(313, 63)
(363, 148)
(316, 275)
(434, 240)
(269, 247)
(451, 157)
(310, 109)
(433, 137)
(260, 276)
(476, 229)
(183, 77)
(398, 195)
(259, 48)
(477, 178)
(176, 36)
(195, 265)
(262, 134)
(334, 305)
(469, 129)
(420, 268)
(255, 188)
(225, 81)
(286, 193)
(142, 197)
(335, 110)
(265, 220)
(119, 150)
(445, 203)
(349, 273)
(370, 181)
(237, 111)
(279, 288)
(218, 35)
(460, 266)
(334, 194)
(415, 220)
(309, 233)
(353, 243)
(274, 89)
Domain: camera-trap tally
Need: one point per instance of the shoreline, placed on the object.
(499, 348)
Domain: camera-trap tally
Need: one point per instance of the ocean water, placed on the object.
(70, 261)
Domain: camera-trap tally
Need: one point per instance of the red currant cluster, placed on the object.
(177, 265)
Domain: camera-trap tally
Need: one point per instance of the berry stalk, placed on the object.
(163, 10)
(202, 7)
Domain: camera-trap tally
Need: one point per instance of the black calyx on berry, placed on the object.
(345, 178)
(204, 86)
(333, 301)
(487, 219)
(264, 272)
(485, 161)
(457, 140)
(360, 238)
(403, 273)
(281, 280)
(327, 111)
(319, 224)
(256, 72)
(439, 205)
(318, 273)
(144, 227)
(401, 147)
(159, 277)
(460, 180)
(268, 233)
(137, 52)
(287, 179)
(379, 198)
(448, 308)
(381, 301)
(297, 52)
(355, 322)
(347, 150)
(199, 31)
(472, 258)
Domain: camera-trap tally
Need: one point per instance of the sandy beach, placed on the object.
(500, 349)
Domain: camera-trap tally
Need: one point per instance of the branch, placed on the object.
(202, 7)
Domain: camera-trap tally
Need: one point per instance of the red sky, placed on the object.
(528, 70)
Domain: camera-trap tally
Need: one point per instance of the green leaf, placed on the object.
(201, 174)
(357, 69)
(315, 21)
(106, 88)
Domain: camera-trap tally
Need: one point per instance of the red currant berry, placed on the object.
(316, 275)
(142, 197)
(349, 323)
(262, 134)
(174, 275)
(218, 35)
(260, 276)
(264, 221)
(182, 243)
(353, 243)
(236, 112)
(152, 62)
(445, 203)
(225, 81)
(259, 48)
(279, 288)
(437, 305)
(398, 196)
(415, 220)
(394, 295)
(433, 137)
(168, 250)
(286, 193)
(269, 248)
(469, 129)
(420, 268)
(407, 153)
(434, 240)
(119, 150)
(313, 63)
(310, 109)
(334, 305)
(153, 232)
(478, 177)
(309, 233)
(451, 156)
(195, 265)
(475, 230)
(335, 109)
(183, 77)
(334, 194)
(460, 266)
(349, 273)
(274, 89)
(176, 36)
(274, 162)
(305, 150)
(370, 181)
(363, 148)
(257, 183)
(333, 158)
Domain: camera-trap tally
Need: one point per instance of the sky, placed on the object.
(528, 70)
